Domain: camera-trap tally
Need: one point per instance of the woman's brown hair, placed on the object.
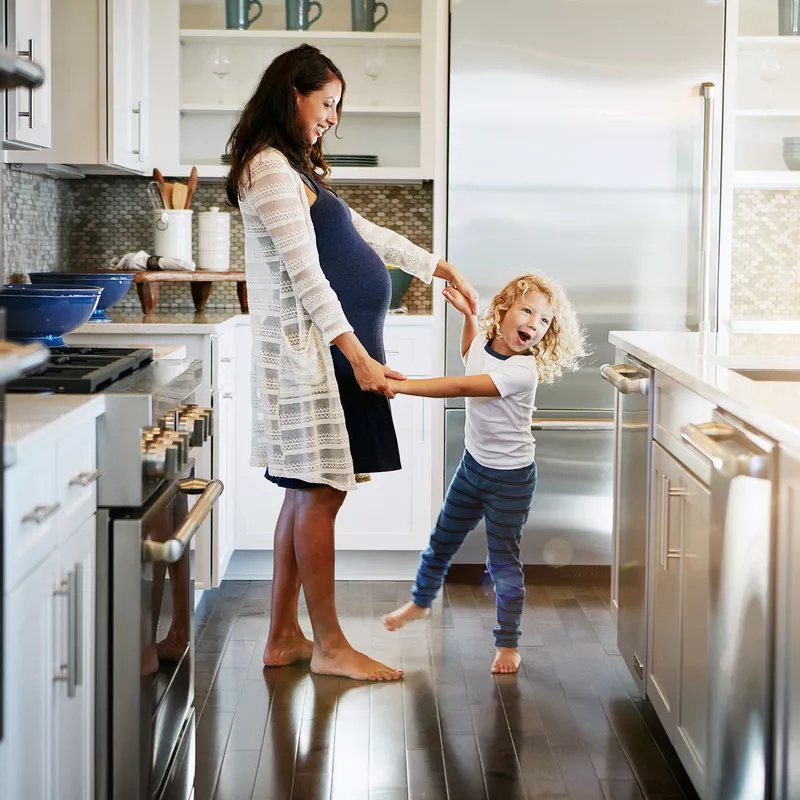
(270, 117)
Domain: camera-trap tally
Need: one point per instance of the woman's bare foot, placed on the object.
(506, 659)
(149, 660)
(349, 663)
(281, 652)
(405, 614)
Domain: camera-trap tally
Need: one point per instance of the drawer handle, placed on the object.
(41, 514)
(226, 360)
(86, 478)
(227, 396)
(392, 352)
(68, 670)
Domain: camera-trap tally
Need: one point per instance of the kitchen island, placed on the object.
(707, 481)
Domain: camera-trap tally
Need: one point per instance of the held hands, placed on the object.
(372, 376)
(459, 302)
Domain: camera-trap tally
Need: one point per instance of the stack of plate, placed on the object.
(225, 158)
(338, 160)
(791, 152)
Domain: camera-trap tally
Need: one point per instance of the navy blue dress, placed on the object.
(361, 281)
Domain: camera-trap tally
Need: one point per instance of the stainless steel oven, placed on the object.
(145, 609)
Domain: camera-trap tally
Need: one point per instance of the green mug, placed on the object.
(297, 14)
(237, 14)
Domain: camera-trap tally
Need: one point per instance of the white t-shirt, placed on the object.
(498, 430)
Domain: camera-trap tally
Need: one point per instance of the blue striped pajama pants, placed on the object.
(503, 498)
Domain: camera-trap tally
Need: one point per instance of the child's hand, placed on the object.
(457, 300)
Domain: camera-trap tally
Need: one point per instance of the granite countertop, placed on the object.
(34, 421)
(196, 323)
(708, 370)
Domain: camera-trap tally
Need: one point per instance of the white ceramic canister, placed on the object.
(172, 234)
(214, 240)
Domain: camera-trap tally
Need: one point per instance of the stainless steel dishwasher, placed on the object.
(742, 565)
(632, 414)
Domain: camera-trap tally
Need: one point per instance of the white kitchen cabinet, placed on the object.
(29, 111)
(394, 510)
(74, 716)
(678, 679)
(128, 84)
(29, 694)
(224, 465)
(100, 80)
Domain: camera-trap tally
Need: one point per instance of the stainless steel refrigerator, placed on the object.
(581, 146)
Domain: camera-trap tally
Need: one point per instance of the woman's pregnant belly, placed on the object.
(356, 273)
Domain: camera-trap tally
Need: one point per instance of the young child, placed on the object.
(529, 334)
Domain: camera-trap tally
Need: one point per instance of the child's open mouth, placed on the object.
(525, 336)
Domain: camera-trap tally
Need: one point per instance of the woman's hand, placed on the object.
(372, 376)
(458, 301)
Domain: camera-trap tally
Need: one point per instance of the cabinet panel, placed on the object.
(74, 752)
(696, 609)
(128, 84)
(224, 455)
(30, 668)
(666, 539)
(28, 111)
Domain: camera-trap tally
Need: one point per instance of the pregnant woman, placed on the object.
(319, 291)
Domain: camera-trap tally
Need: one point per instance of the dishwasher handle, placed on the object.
(618, 376)
(172, 550)
(706, 440)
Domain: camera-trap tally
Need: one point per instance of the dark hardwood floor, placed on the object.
(569, 725)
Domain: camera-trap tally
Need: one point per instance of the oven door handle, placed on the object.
(171, 550)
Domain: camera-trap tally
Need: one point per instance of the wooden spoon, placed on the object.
(158, 177)
(179, 194)
(192, 187)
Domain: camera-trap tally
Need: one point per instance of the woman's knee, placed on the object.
(320, 498)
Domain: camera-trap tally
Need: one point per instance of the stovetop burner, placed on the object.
(82, 370)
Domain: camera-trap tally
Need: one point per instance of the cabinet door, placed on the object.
(695, 611)
(74, 716)
(666, 515)
(224, 455)
(393, 510)
(28, 111)
(128, 82)
(31, 663)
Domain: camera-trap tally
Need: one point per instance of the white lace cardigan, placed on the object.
(298, 422)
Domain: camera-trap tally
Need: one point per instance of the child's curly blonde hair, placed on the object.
(563, 346)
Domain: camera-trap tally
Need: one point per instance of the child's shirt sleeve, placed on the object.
(518, 375)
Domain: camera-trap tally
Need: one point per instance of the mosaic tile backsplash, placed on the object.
(82, 224)
(766, 254)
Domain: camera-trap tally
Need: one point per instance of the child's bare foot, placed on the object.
(172, 648)
(405, 614)
(506, 659)
(280, 652)
(349, 663)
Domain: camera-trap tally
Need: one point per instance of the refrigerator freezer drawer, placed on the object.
(571, 518)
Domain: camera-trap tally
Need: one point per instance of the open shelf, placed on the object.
(386, 111)
(189, 36)
(773, 179)
(338, 174)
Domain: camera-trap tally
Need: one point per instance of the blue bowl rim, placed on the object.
(92, 275)
(33, 290)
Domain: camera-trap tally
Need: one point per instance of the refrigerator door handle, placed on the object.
(556, 424)
(708, 93)
(617, 377)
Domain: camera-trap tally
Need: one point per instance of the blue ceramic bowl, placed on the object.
(45, 314)
(115, 286)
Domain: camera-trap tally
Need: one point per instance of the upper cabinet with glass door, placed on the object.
(767, 104)
(389, 54)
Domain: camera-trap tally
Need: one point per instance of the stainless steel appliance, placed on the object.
(15, 360)
(742, 565)
(633, 401)
(148, 439)
(584, 143)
